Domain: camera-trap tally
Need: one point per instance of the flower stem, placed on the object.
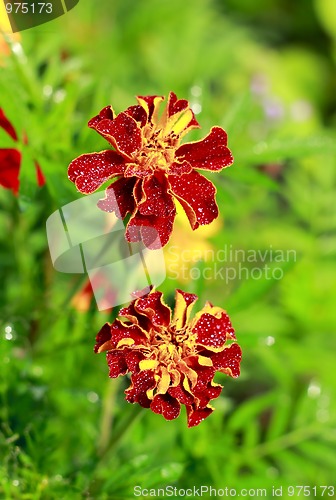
(107, 415)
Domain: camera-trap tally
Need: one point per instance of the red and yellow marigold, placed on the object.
(151, 168)
(172, 359)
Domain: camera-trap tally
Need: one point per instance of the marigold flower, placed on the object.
(10, 160)
(172, 360)
(152, 167)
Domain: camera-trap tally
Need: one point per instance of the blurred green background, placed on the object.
(265, 71)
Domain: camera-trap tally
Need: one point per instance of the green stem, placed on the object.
(107, 415)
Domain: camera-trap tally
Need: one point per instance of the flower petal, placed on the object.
(119, 198)
(90, 171)
(138, 114)
(157, 200)
(39, 175)
(197, 196)
(182, 396)
(165, 405)
(7, 126)
(122, 133)
(140, 383)
(209, 153)
(151, 104)
(212, 331)
(179, 118)
(196, 416)
(103, 336)
(153, 307)
(105, 113)
(140, 228)
(10, 160)
(228, 360)
(116, 363)
(183, 305)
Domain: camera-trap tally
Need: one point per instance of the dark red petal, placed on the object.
(180, 168)
(228, 360)
(205, 374)
(204, 395)
(182, 396)
(133, 359)
(138, 114)
(39, 175)
(90, 171)
(152, 306)
(134, 317)
(122, 133)
(141, 382)
(210, 153)
(140, 228)
(10, 160)
(197, 196)
(119, 198)
(195, 417)
(119, 331)
(212, 331)
(189, 298)
(7, 126)
(165, 405)
(157, 200)
(176, 105)
(149, 99)
(106, 113)
(116, 363)
(103, 335)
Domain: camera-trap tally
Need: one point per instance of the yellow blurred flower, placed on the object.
(187, 247)
(6, 33)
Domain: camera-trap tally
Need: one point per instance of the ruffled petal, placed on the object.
(119, 198)
(122, 133)
(179, 118)
(90, 171)
(153, 231)
(10, 160)
(141, 383)
(183, 305)
(116, 363)
(209, 153)
(197, 196)
(105, 113)
(196, 416)
(228, 360)
(211, 331)
(103, 336)
(184, 397)
(138, 114)
(156, 198)
(153, 307)
(151, 104)
(165, 405)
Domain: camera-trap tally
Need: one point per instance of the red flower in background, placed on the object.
(151, 166)
(10, 160)
(172, 360)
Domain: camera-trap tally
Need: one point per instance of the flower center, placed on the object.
(158, 151)
(173, 344)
